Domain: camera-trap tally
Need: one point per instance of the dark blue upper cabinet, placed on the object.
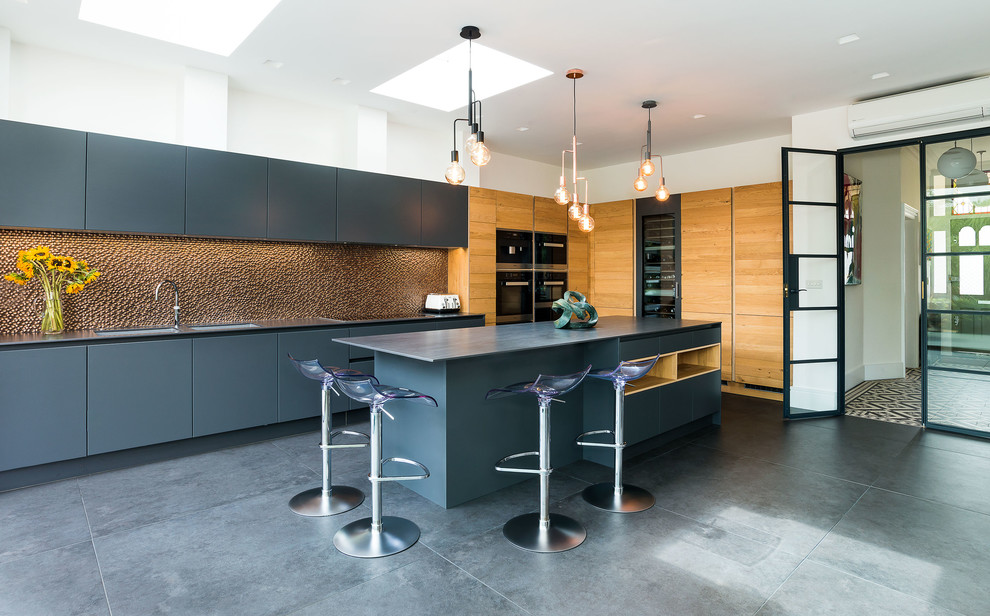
(134, 185)
(445, 215)
(226, 194)
(378, 209)
(42, 176)
(302, 201)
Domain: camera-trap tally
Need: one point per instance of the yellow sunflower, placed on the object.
(73, 288)
(62, 264)
(40, 253)
(92, 276)
(17, 278)
(27, 267)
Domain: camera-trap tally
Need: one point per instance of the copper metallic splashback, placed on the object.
(222, 280)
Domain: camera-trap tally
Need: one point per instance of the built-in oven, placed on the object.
(549, 288)
(513, 297)
(550, 251)
(513, 250)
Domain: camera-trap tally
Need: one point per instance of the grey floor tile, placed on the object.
(146, 494)
(954, 442)
(442, 528)
(927, 550)
(64, 581)
(252, 556)
(937, 474)
(41, 518)
(835, 452)
(305, 448)
(767, 502)
(859, 427)
(817, 590)
(427, 587)
(654, 562)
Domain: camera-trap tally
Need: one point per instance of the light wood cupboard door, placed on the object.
(706, 252)
(577, 260)
(613, 245)
(759, 265)
(513, 211)
(481, 252)
(549, 216)
(759, 350)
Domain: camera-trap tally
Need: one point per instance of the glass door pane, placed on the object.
(957, 286)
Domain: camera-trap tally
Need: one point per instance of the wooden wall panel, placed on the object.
(726, 320)
(577, 259)
(706, 252)
(481, 253)
(513, 211)
(759, 350)
(612, 265)
(549, 216)
(759, 268)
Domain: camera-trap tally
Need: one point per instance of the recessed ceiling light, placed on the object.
(273, 64)
(522, 129)
(880, 75)
(340, 81)
(849, 38)
(215, 26)
(698, 116)
(441, 81)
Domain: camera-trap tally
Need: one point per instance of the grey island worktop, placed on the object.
(461, 439)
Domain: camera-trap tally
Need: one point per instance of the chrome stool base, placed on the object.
(316, 502)
(632, 499)
(564, 533)
(358, 540)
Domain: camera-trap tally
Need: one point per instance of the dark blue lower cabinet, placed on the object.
(707, 394)
(458, 323)
(642, 419)
(677, 403)
(42, 406)
(234, 382)
(139, 393)
(299, 396)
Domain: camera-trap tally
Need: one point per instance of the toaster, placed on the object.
(438, 302)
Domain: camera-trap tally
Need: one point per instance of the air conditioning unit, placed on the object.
(954, 102)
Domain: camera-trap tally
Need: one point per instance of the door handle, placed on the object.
(516, 284)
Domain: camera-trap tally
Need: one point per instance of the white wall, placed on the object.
(4, 73)
(855, 369)
(528, 177)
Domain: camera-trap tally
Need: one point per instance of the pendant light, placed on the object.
(646, 166)
(956, 162)
(576, 211)
(474, 145)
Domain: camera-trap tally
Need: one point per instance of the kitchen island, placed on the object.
(461, 440)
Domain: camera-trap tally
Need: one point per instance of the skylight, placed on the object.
(441, 81)
(215, 26)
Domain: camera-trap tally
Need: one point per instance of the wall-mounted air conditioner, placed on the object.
(954, 102)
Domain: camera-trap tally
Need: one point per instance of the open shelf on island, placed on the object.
(677, 366)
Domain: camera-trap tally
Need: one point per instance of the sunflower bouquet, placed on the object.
(55, 273)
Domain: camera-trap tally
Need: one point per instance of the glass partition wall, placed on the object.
(957, 285)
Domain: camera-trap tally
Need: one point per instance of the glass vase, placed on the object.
(51, 318)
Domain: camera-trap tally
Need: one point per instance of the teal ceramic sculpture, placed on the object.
(575, 312)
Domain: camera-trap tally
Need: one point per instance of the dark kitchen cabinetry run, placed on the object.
(42, 176)
(299, 396)
(42, 406)
(302, 201)
(234, 382)
(226, 194)
(134, 185)
(659, 263)
(445, 215)
(378, 209)
(139, 393)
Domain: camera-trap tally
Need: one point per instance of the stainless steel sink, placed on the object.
(213, 327)
(129, 331)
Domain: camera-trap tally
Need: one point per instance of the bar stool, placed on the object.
(379, 535)
(543, 531)
(618, 497)
(328, 499)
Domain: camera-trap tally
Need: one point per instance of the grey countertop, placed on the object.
(87, 336)
(441, 345)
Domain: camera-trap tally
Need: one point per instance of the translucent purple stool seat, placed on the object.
(543, 531)
(379, 536)
(328, 499)
(617, 496)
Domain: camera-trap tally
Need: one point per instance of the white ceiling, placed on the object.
(749, 66)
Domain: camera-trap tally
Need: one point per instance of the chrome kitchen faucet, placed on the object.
(176, 306)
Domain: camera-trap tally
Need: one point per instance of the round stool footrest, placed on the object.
(337, 433)
(594, 444)
(510, 469)
(426, 471)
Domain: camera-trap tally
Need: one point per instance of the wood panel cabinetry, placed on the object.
(549, 216)
(513, 211)
(612, 248)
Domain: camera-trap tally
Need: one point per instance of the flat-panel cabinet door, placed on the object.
(299, 396)
(134, 185)
(676, 403)
(226, 194)
(478, 321)
(302, 201)
(42, 406)
(445, 215)
(378, 209)
(234, 382)
(139, 393)
(642, 415)
(42, 176)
